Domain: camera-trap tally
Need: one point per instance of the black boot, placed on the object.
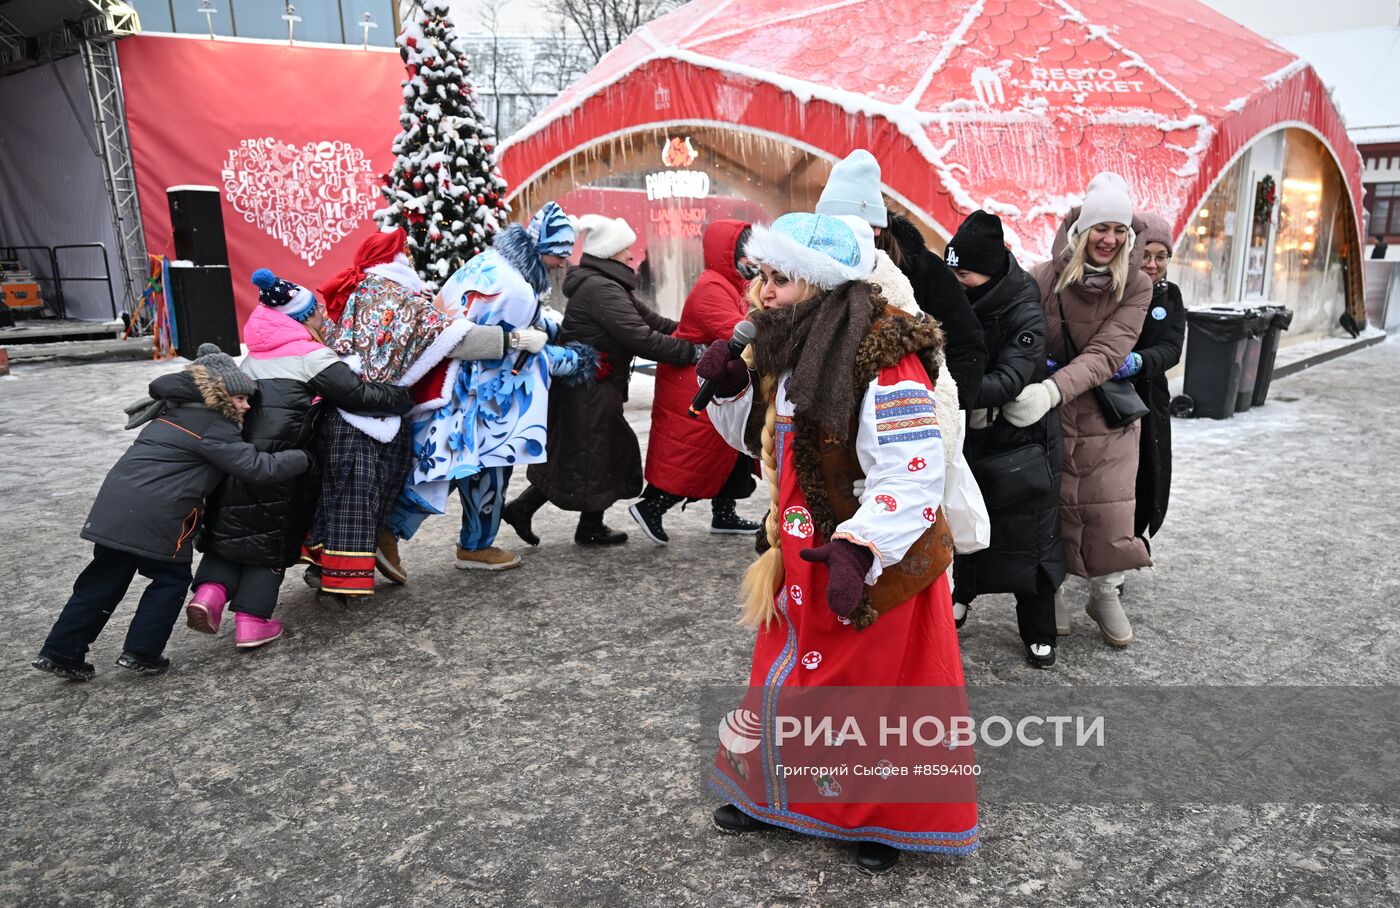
(876, 857)
(72, 671)
(592, 531)
(519, 512)
(649, 510)
(725, 519)
(730, 820)
(144, 665)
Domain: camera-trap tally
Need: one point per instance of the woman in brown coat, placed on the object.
(1095, 295)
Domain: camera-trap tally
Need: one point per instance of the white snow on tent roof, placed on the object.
(1362, 68)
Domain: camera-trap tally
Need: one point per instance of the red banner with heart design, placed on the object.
(295, 139)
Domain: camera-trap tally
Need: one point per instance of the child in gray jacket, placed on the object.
(150, 507)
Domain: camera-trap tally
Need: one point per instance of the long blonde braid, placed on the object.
(765, 576)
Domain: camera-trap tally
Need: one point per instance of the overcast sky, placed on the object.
(1271, 18)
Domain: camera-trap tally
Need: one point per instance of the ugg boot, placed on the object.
(1061, 614)
(1106, 609)
(206, 609)
(250, 631)
(386, 558)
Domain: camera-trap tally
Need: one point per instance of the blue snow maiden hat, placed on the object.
(823, 251)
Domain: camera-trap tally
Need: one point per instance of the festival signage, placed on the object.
(297, 152)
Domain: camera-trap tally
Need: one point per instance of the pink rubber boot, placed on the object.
(206, 609)
(250, 631)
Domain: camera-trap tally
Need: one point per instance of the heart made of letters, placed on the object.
(306, 198)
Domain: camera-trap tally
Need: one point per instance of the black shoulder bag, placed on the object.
(1119, 400)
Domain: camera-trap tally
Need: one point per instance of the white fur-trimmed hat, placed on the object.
(605, 237)
(822, 250)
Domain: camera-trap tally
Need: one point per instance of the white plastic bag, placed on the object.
(963, 506)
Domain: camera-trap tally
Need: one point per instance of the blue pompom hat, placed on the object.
(551, 231)
(285, 297)
(822, 250)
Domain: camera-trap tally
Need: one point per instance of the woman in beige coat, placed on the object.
(1094, 279)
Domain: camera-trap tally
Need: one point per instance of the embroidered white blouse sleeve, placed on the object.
(729, 416)
(900, 449)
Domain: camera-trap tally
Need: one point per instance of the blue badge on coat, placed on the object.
(1159, 313)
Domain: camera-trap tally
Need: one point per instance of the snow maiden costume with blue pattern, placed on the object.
(495, 418)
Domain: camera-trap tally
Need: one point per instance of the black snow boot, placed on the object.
(519, 513)
(72, 671)
(725, 519)
(144, 665)
(876, 857)
(592, 531)
(649, 511)
(730, 820)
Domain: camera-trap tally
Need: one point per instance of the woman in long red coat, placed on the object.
(686, 457)
(849, 598)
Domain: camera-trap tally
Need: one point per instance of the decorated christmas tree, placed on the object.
(444, 188)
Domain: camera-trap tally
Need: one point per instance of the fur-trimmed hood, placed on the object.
(214, 394)
(893, 284)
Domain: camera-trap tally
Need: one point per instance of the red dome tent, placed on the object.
(1007, 105)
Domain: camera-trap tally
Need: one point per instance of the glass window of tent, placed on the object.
(1311, 232)
(1203, 259)
(670, 184)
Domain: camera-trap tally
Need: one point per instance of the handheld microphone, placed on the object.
(744, 333)
(520, 360)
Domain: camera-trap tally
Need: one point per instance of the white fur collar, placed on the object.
(400, 271)
(894, 286)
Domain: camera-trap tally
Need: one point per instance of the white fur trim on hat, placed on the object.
(605, 237)
(778, 247)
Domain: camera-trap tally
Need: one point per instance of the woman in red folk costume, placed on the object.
(851, 591)
(381, 321)
(686, 459)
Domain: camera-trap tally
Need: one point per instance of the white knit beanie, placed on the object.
(605, 237)
(1106, 201)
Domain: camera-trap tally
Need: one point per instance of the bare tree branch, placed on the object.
(604, 24)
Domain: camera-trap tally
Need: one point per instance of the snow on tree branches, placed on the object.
(444, 189)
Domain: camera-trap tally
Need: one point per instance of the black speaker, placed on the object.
(198, 224)
(201, 299)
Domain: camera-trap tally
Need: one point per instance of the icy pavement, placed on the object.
(530, 738)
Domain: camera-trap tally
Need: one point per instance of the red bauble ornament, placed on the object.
(411, 41)
(481, 200)
(412, 70)
(417, 182)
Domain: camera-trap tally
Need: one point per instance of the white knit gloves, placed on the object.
(1032, 403)
(530, 339)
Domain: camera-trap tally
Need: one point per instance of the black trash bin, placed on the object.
(1215, 348)
(1280, 318)
(1256, 325)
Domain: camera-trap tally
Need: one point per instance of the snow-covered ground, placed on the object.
(531, 738)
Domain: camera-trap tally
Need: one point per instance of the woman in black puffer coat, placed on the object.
(594, 459)
(253, 533)
(1158, 349)
(1026, 556)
